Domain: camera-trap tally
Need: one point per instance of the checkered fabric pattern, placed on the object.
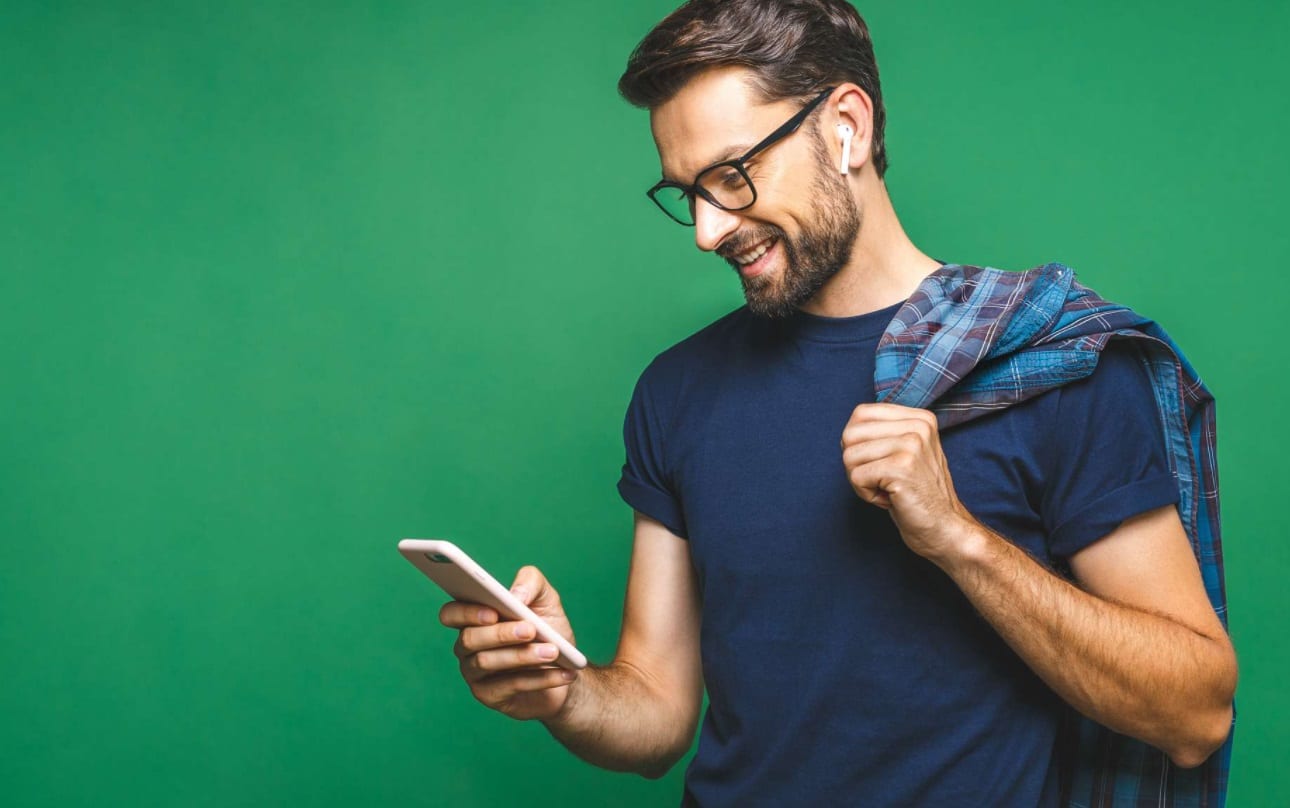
(973, 340)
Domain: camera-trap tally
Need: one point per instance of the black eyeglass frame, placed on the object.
(787, 128)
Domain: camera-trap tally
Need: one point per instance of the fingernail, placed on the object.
(547, 652)
(568, 676)
(521, 631)
(485, 616)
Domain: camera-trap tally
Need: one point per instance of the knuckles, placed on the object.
(501, 659)
(470, 641)
(446, 613)
(861, 412)
(480, 663)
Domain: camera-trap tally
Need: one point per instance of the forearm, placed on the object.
(616, 719)
(1141, 674)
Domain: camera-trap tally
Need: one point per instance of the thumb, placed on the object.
(531, 588)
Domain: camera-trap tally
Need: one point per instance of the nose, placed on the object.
(712, 224)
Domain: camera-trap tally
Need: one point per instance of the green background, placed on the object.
(284, 283)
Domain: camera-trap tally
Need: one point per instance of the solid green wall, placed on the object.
(284, 283)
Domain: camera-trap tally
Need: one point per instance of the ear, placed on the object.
(854, 109)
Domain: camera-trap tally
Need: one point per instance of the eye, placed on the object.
(731, 179)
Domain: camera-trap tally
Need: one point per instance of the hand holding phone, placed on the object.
(461, 577)
(503, 635)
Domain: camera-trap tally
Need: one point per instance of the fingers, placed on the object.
(870, 484)
(502, 659)
(867, 451)
(498, 689)
(870, 463)
(482, 664)
(488, 649)
(459, 614)
(480, 630)
(532, 589)
(484, 638)
(871, 420)
(891, 412)
(861, 430)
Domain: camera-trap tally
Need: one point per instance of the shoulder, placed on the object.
(1120, 375)
(701, 352)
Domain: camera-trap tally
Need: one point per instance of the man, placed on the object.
(891, 614)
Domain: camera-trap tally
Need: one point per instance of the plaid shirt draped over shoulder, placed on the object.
(973, 340)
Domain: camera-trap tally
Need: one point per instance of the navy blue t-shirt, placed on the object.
(841, 668)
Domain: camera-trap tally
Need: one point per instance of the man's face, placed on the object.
(800, 231)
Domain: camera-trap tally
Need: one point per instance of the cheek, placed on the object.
(783, 199)
(781, 182)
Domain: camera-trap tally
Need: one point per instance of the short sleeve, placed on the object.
(645, 483)
(1107, 459)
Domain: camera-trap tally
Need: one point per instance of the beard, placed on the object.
(813, 256)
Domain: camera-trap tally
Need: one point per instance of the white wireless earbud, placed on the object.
(846, 134)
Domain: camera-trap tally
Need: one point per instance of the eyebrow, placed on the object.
(729, 154)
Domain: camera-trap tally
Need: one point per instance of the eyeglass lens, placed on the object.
(723, 183)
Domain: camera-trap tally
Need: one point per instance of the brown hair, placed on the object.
(794, 48)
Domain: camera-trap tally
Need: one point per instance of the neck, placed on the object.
(885, 266)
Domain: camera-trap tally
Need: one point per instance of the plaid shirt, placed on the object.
(972, 340)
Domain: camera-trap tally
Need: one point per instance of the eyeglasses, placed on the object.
(725, 185)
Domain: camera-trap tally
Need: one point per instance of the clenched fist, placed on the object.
(893, 459)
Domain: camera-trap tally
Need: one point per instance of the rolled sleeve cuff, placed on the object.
(1101, 517)
(653, 504)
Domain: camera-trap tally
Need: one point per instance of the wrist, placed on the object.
(564, 717)
(968, 544)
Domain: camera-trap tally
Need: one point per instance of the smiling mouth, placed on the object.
(756, 260)
(754, 252)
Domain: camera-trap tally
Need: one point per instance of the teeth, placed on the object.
(744, 259)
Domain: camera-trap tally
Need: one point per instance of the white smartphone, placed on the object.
(457, 574)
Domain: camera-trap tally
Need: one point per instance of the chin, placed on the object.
(771, 307)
